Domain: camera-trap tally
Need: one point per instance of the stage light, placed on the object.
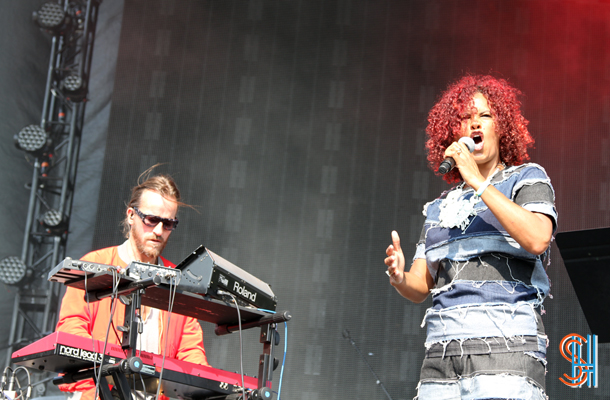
(73, 88)
(33, 139)
(12, 270)
(51, 17)
(54, 222)
(72, 83)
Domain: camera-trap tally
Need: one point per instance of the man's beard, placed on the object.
(143, 250)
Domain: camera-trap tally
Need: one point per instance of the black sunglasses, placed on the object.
(152, 220)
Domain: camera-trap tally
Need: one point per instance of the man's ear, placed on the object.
(130, 214)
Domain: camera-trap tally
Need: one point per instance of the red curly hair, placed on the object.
(444, 122)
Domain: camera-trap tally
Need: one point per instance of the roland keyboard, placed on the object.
(202, 273)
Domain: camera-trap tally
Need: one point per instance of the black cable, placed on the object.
(90, 321)
(115, 288)
(143, 384)
(91, 329)
(140, 374)
(347, 336)
(140, 341)
(172, 295)
(241, 349)
(136, 392)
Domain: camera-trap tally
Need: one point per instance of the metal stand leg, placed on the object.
(267, 363)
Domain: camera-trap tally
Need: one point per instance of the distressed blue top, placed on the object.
(487, 285)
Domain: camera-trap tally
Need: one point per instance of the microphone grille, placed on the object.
(468, 142)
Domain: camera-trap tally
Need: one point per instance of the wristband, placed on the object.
(482, 188)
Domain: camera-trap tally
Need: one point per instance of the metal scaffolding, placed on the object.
(53, 147)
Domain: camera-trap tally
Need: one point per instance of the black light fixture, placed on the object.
(74, 88)
(12, 270)
(33, 139)
(51, 17)
(54, 222)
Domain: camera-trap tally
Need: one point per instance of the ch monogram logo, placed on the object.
(571, 348)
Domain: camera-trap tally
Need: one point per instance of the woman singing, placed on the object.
(482, 250)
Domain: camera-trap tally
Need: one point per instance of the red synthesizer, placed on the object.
(63, 353)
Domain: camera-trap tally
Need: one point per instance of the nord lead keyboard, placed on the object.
(62, 352)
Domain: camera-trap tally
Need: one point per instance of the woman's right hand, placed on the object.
(415, 284)
(395, 260)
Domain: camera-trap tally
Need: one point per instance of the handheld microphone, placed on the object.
(448, 163)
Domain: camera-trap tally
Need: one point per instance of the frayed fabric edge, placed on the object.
(531, 382)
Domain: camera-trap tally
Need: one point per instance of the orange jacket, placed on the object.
(184, 338)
